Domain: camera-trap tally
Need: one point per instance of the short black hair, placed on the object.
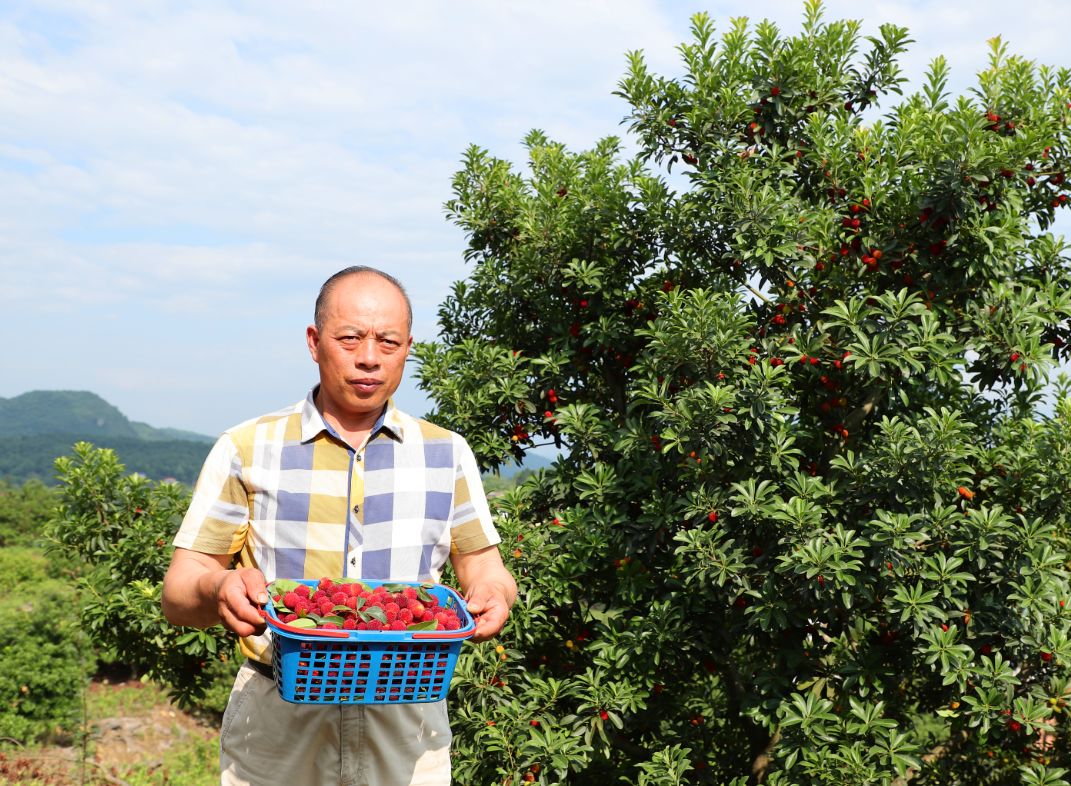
(356, 270)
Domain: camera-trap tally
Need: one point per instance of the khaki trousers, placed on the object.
(265, 741)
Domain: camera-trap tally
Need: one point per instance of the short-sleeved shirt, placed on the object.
(286, 494)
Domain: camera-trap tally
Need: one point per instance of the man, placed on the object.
(341, 484)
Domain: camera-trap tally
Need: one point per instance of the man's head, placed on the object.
(360, 341)
(358, 270)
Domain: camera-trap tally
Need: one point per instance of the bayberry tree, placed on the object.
(809, 519)
(113, 533)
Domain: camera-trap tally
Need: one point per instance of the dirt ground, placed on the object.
(140, 734)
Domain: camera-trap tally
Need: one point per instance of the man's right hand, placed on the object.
(239, 596)
(200, 591)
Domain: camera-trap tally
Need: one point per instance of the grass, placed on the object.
(137, 738)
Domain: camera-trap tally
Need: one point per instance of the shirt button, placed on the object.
(360, 457)
(353, 561)
(356, 509)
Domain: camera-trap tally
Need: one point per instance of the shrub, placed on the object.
(23, 512)
(43, 656)
(117, 530)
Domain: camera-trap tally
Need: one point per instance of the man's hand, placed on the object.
(239, 596)
(488, 587)
(200, 591)
(489, 605)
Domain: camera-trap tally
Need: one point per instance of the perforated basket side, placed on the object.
(368, 667)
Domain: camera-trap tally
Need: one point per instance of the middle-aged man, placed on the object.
(340, 484)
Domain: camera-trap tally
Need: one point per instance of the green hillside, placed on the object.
(62, 412)
(26, 458)
(39, 426)
(76, 412)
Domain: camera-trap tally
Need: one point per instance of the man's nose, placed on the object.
(367, 354)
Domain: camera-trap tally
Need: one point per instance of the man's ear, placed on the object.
(312, 338)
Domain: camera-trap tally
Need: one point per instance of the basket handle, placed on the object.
(330, 634)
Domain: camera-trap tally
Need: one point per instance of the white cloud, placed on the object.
(179, 177)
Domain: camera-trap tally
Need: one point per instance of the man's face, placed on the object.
(360, 347)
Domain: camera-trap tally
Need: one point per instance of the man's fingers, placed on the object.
(255, 588)
(490, 622)
(236, 609)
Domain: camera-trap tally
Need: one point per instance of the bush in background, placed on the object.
(115, 530)
(24, 510)
(44, 657)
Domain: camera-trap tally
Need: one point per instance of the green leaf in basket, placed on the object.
(282, 586)
(341, 607)
(426, 625)
(373, 613)
(332, 618)
(302, 622)
(394, 587)
(423, 594)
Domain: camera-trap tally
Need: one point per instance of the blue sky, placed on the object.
(180, 177)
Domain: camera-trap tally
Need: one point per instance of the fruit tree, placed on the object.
(809, 519)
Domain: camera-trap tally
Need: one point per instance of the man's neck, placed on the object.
(354, 429)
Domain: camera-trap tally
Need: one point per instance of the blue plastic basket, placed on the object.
(315, 666)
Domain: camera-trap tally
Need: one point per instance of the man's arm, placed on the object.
(488, 587)
(200, 591)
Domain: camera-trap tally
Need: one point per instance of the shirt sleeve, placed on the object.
(218, 517)
(471, 528)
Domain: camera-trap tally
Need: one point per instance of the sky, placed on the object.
(178, 178)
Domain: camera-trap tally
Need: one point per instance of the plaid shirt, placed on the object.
(287, 495)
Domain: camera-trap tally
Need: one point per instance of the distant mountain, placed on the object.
(39, 426)
(77, 412)
(532, 462)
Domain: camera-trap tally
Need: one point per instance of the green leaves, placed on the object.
(117, 529)
(807, 494)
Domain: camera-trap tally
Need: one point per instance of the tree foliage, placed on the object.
(809, 522)
(115, 531)
(44, 657)
(23, 512)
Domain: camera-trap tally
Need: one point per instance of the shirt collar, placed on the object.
(313, 423)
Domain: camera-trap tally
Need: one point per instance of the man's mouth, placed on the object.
(365, 385)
